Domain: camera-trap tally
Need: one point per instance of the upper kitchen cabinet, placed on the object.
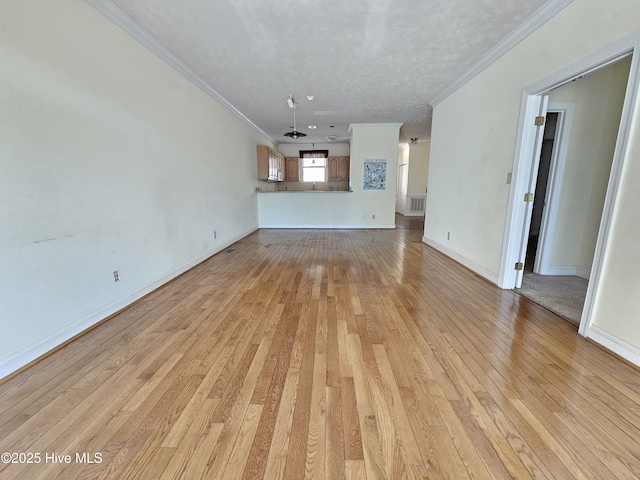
(338, 168)
(270, 164)
(292, 169)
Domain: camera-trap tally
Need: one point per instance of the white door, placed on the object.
(401, 195)
(533, 163)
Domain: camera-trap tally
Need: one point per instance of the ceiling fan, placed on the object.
(295, 134)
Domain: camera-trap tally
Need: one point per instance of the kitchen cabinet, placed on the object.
(292, 169)
(338, 168)
(270, 164)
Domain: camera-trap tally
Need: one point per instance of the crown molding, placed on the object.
(530, 25)
(142, 35)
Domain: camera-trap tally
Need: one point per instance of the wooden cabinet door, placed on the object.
(292, 169)
(343, 168)
(263, 162)
(333, 168)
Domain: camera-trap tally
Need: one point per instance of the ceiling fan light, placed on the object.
(295, 134)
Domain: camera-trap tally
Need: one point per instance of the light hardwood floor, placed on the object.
(327, 354)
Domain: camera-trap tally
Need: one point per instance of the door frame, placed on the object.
(514, 226)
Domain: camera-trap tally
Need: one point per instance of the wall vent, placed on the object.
(417, 203)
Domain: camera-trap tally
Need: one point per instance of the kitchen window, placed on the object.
(314, 165)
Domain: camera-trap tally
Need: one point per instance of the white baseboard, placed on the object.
(566, 270)
(616, 345)
(583, 273)
(471, 265)
(327, 227)
(19, 359)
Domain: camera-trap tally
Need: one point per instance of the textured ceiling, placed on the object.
(368, 61)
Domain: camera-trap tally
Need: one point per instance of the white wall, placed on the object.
(312, 210)
(342, 209)
(418, 168)
(472, 150)
(110, 160)
(598, 100)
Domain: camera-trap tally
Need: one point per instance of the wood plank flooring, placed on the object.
(327, 354)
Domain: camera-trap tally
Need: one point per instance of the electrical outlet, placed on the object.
(116, 275)
(373, 217)
(215, 234)
(509, 178)
(448, 235)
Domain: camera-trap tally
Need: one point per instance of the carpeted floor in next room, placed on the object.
(563, 295)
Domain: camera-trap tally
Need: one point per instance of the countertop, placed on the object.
(305, 191)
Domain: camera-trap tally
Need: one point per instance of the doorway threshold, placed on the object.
(563, 295)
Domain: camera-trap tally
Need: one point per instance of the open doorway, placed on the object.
(564, 292)
(569, 169)
(413, 171)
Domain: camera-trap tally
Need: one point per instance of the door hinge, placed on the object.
(539, 121)
(519, 266)
(528, 197)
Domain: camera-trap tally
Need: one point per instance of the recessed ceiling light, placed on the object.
(312, 127)
(310, 97)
